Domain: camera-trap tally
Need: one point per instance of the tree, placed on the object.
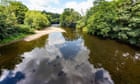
(19, 10)
(117, 19)
(54, 18)
(3, 24)
(69, 18)
(102, 18)
(36, 19)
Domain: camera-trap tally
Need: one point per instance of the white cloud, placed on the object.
(38, 4)
(80, 7)
(54, 10)
(47, 5)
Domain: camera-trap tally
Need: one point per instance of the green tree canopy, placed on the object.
(19, 10)
(36, 19)
(117, 19)
(54, 18)
(69, 18)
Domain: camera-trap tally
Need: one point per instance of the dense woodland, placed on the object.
(17, 21)
(69, 18)
(118, 19)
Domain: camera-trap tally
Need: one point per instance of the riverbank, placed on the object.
(43, 32)
(13, 39)
(27, 37)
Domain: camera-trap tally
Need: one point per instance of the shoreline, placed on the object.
(37, 34)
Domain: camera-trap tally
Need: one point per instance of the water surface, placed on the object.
(69, 58)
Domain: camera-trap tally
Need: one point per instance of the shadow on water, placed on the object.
(66, 59)
(121, 60)
(10, 54)
(59, 61)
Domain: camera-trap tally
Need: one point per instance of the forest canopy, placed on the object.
(17, 20)
(116, 19)
(69, 18)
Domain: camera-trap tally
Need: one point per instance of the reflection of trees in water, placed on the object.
(115, 57)
(71, 34)
(60, 62)
(10, 54)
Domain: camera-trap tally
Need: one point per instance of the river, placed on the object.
(69, 58)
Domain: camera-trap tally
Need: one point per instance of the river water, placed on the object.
(69, 58)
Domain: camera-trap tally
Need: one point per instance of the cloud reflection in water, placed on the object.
(60, 62)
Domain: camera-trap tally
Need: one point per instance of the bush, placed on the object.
(21, 28)
(117, 19)
(36, 20)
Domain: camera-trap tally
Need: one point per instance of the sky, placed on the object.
(57, 6)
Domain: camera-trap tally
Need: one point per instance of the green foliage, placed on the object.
(69, 18)
(13, 37)
(81, 23)
(12, 18)
(8, 20)
(117, 19)
(19, 10)
(54, 18)
(102, 19)
(85, 29)
(3, 23)
(36, 20)
(22, 28)
(10, 15)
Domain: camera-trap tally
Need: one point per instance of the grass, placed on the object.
(21, 30)
(13, 38)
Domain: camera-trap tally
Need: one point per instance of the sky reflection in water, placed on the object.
(58, 62)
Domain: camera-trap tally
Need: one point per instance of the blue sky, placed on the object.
(57, 6)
